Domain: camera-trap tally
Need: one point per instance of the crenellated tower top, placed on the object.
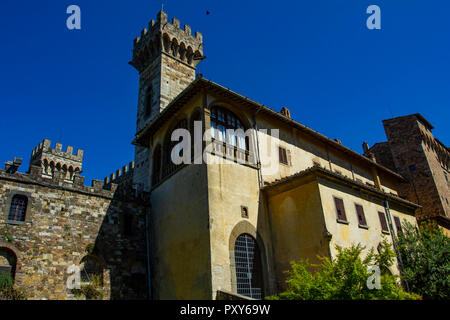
(55, 160)
(167, 38)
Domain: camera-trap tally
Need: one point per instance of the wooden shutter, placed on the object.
(398, 224)
(340, 211)
(282, 154)
(383, 222)
(288, 159)
(360, 214)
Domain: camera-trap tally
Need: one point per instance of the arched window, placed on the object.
(169, 145)
(71, 173)
(92, 270)
(195, 117)
(223, 120)
(52, 168)
(45, 167)
(65, 172)
(156, 174)
(248, 267)
(18, 208)
(8, 262)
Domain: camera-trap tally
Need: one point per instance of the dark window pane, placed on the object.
(18, 208)
(248, 267)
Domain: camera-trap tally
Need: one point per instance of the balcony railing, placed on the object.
(218, 148)
(232, 153)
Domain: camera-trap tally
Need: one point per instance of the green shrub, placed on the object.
(344, 278)
(6, 281)
(425, 255)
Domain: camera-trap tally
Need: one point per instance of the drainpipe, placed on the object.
(149, 284)
(255, 127)
(394, 241)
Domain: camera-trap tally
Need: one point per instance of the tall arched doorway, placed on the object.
(248, 267)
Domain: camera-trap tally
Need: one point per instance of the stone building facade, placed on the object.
(50, 221)
(413, 151)
(166, 58)
(256, 190)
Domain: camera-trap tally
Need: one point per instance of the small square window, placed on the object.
(244, 212)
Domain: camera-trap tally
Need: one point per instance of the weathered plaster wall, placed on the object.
(232, 186)
(346, 234)
(180, 236)
(298, 226)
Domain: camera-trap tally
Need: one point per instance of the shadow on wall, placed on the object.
(117, 259)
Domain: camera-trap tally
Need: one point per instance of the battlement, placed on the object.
(121, 175)
(170, 38)
(58, 180)
(53, 161)
(45, 147)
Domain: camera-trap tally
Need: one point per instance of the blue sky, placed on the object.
(316, 57)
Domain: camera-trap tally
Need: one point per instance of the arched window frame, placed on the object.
(247, 257)
(223, 120)
(12, 260)
(156, 165)
(168, 165)
(85, 275)
(7, 210)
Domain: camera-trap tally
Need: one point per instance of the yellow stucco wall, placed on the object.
(297, 226)
(179, 226)
(345, 235)
(180, 236)
(231, 186)
(305, 151)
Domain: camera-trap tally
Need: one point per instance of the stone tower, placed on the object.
(166, 58)
(54, 161)
(422, 159)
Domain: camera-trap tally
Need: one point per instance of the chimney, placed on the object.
(365, 146)
(285, 112)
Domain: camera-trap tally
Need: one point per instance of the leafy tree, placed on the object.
(425, 255)
(344, 278)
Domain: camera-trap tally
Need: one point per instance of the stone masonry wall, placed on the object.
(418, 164)
(67, 222)
(383, 155)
